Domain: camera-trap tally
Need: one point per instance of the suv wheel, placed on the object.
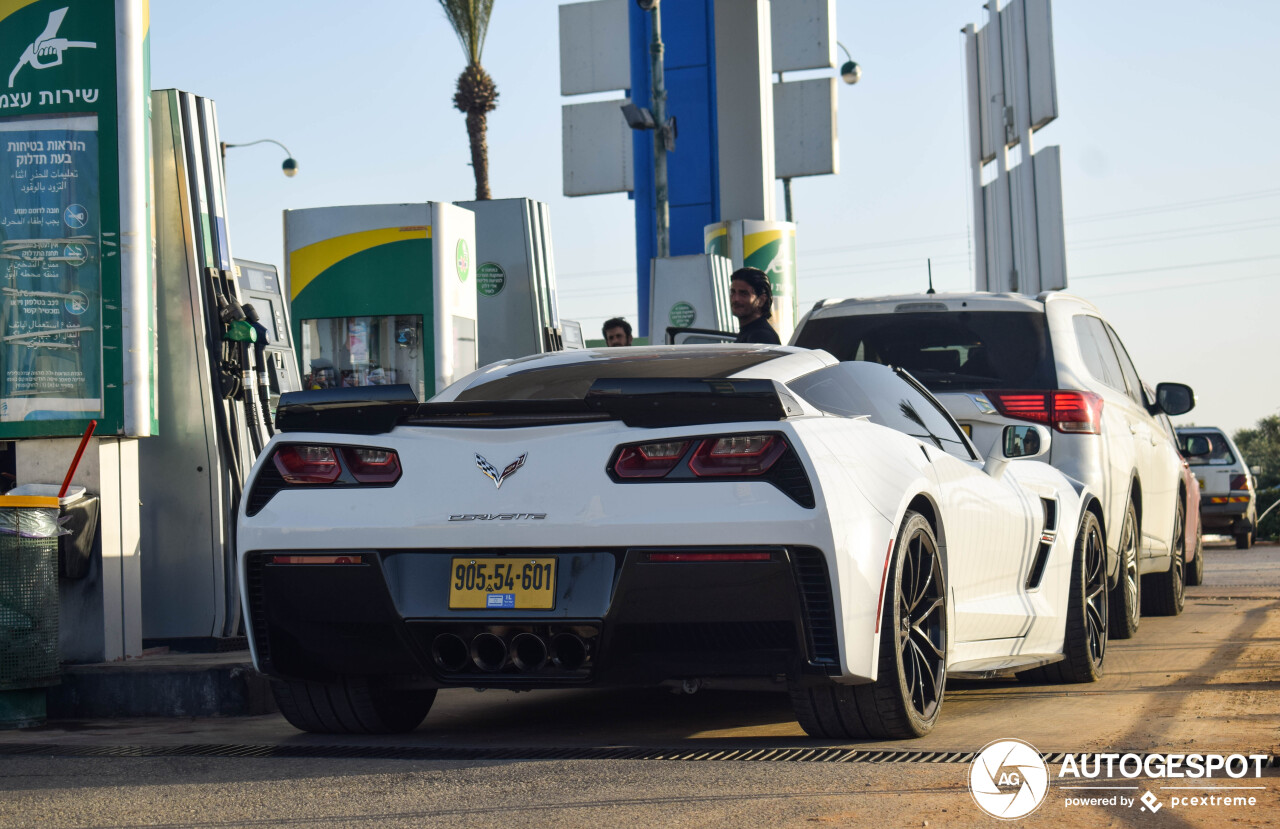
(1164, 596)
(1244, 540)
(1126, 596)
(1195, 570)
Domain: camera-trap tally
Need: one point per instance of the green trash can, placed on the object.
(28, 607)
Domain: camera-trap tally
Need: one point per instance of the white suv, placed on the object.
(995, 359)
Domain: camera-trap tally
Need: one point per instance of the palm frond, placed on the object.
(470, 20)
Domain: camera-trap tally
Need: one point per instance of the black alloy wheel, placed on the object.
(906, 698)
(921, 624)
(1126, 595)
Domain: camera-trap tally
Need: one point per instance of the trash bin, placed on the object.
(29, 534)
(79, 522)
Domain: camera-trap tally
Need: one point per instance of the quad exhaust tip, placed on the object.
(528, 652)
(450, 652)
(568, 652)
(489, 652)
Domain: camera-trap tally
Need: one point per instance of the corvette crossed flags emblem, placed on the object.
(492, 472)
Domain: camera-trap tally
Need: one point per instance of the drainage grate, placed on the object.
(759, 755)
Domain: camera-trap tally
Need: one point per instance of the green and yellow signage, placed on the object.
(76, 331)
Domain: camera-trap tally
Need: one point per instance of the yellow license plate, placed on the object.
(968, 430)
(503, 584)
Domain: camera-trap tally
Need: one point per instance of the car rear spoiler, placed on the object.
(636, 401)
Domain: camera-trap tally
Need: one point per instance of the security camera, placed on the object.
(851, 72)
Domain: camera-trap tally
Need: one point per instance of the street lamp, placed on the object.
(851, 72)
(289, 167)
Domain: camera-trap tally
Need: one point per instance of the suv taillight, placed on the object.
(1239, 482)
(1075, 412)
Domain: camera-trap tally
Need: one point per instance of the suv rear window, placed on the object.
(946, 351)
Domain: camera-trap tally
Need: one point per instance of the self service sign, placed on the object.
(76, 328)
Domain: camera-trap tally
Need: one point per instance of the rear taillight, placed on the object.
(307, 464)
(737, 455)
(372, 466)
(650, 460)
(712, 457)
(1076, 412)
(1239, 482)
(302, 464)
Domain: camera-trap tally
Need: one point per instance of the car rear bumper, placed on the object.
(619, 619)
(1228, 514)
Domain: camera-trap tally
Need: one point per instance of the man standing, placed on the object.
(751, 301)
(617, 332)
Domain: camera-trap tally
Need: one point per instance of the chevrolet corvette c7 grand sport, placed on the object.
(737, 514)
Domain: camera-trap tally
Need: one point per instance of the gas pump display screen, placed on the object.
(50, 238)
(363, 351)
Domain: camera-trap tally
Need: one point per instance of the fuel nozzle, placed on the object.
(241, 331)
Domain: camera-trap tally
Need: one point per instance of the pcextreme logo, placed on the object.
(1008, 779)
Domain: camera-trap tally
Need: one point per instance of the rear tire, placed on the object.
(1195, 570)
(1164, 595)
(1244, 540)
(1126, 596)
(351, 706)
(1084, 640)
(904, 702)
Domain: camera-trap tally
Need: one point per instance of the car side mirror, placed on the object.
(1025, 441)
(1194, 446)
(1255, 470)
(1021, 441)
(1175, 398)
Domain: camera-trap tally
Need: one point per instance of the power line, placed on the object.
(1186, 285)
(1179, 267)
(1164, 208)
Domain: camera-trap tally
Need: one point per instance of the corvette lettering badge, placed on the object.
(492, 472)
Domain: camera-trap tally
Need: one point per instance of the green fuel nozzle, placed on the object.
(241, 331)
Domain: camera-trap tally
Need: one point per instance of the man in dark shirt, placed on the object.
(617, 332)
(751, 301)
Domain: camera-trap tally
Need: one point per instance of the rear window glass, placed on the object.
(570, 381)
(946, 351)
(1219, 450)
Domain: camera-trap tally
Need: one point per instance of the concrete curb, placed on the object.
(175, 685)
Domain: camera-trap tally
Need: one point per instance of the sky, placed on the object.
(1168, 120)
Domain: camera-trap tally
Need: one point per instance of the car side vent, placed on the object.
(254, 602)
(814, 583)
(1045, 544)
(265, 486)
(789, 476)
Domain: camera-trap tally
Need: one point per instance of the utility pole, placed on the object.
(661, 129)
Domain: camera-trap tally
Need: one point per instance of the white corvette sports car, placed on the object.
(635, 516)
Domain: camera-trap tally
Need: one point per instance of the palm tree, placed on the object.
(477, 94)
